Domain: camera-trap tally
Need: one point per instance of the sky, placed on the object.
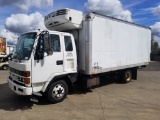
(19, 16)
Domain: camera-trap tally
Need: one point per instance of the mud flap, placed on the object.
(134, 73)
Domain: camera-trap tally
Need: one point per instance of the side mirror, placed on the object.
(40, 55)
(47, 43)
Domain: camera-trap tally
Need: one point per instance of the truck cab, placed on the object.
(43, 62)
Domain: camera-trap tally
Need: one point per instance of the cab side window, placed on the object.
(68, 43)
(55, 43)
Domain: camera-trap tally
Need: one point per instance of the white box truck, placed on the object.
(79, 48)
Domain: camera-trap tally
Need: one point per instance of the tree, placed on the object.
(154, 44)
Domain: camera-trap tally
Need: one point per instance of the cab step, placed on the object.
(33, 99)
(37, 94)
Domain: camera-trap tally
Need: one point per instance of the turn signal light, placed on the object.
(26, 73)
(27, 80)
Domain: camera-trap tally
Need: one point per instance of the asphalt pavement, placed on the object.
(137, 100)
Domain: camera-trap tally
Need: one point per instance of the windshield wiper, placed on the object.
(18, 56)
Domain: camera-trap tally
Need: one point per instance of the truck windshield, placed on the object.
(24, 46)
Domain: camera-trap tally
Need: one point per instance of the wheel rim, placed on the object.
(128, 76)
(58, 91)
(5, 67)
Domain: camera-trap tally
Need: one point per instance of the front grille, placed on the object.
(21, 84)
(16, 82)
(16, 71)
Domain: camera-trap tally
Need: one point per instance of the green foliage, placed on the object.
(154, 45)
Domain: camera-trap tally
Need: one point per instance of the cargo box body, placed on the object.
(108, 44)
(103, 43)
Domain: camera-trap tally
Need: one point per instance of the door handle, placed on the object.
(60, 62)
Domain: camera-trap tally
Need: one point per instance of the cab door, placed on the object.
(70, 56)
(43, 69)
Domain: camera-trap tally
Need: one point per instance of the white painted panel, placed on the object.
(70, 58)
(43, 69)
(63, 20)
(82, 47)
(116, 44)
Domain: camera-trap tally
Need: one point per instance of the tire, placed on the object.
(57, 91)
(127, 76)
(5, 67)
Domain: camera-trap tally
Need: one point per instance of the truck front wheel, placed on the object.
(57, 91)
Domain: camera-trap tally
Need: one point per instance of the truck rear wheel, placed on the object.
(127, 76)
(57, 91)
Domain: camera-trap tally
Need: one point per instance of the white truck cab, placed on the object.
(33, 68)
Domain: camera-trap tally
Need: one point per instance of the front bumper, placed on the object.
(20, 90)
